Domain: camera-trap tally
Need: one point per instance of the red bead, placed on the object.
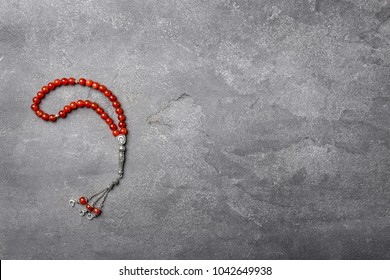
(113, 126)
(112, 98)
(123, 131)
(36, 100)
(88, 83)
(89, 207)
(99, 110)
(45, 117)
(109, 121)
(57, 82)
(62, 114)
(118, 111)
(64, 81)
(116, 104)
(121, 117)
(51, 86)
(45, 89)
(73, 105)
(67, 109)
(122, 124)
(115, 133)
(107, 93)
(95, 85)
(104, 115)
(40, 95)
(94, 106)
(71, 81)
(80, 103)
(87, 103)
(96, 211)
(102, 88)
(52, 118)
(39, 113)
(82, 81)
(83, 200)
(34, 107)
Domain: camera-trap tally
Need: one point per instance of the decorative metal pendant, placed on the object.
(94, 203)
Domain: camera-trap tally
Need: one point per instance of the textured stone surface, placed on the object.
(259, 129)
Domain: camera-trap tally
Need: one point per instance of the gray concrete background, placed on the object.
(259, 129)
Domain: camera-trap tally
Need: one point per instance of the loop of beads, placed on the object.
(116, 129)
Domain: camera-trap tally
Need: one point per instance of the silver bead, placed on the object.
(122, 139)
(82, 212)
(122, 148)
(115, 181)
(57, 116)
(90, 216)
(120, 172)
(72, 202)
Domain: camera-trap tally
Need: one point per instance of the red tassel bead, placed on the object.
(89, 207)
(82, 81)
(123, 131)
(34, 107)
(57, 82)
(113, 126)
(80, 103)
(109, 121)
(64, 81)
(45, 89)
(71, 81)
(83, 200)
(121, 117)
(45, 117)
(119, 111)
(88, 83)
(36, 100)
(52, 118)
(51, 86)
(96, 211)
(115, 133)
(122, 124)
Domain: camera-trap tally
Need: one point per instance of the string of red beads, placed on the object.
(116, 129)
